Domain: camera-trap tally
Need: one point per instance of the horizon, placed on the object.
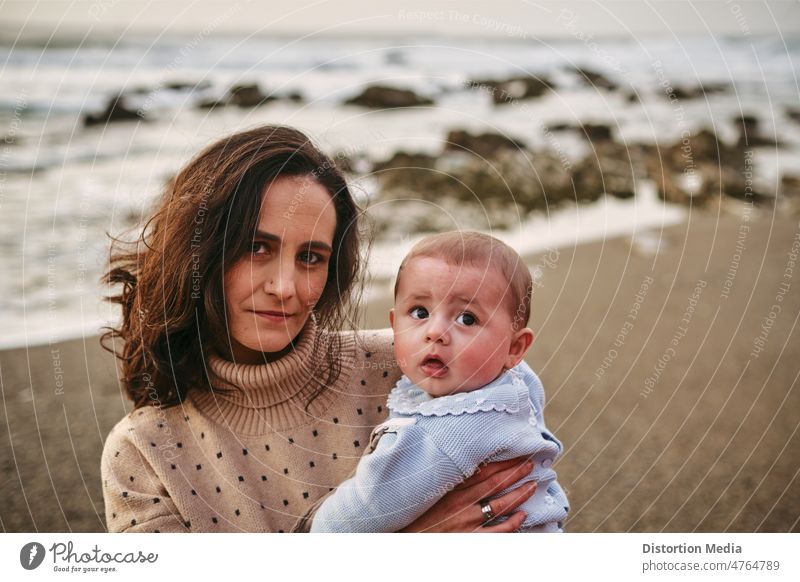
(551, 19)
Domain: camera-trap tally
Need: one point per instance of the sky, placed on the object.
(497, 18)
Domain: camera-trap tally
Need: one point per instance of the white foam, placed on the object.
(566, 227)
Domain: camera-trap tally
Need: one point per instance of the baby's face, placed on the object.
(452, 326)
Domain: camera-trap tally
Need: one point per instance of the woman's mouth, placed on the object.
(274, 316)
(433, 367)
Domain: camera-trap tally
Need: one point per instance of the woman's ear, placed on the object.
(520, 343)
(391, 318)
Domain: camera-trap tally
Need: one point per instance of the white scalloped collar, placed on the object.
(507, 393)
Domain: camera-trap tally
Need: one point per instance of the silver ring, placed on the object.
(488, 514)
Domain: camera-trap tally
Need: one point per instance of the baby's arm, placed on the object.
(393, 485)
(537, 397)
(553, 489)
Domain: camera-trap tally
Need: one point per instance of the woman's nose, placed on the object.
(280, 281)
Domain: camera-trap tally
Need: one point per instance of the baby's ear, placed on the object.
(520, 342)
(391, 318)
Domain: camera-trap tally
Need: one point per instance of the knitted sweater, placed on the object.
(246, 456)
(429, 445)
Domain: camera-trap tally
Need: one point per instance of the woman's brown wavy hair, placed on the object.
(173, 308)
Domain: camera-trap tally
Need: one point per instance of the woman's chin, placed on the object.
(264, 348)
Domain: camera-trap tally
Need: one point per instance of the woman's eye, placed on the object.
(254, 248)
(311, 258)
(418, 313)
(467, 318)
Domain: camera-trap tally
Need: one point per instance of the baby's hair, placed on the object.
(477, 249)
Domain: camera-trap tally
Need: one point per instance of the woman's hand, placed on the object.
(460, 509)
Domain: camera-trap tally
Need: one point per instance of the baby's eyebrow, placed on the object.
(460, 299)
(418, 296)
(466, 300)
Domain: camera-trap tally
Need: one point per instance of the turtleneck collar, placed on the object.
(257, 399)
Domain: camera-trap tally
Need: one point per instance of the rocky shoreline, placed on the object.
(491, 180)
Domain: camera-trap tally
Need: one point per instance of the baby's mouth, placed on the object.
(433, 367)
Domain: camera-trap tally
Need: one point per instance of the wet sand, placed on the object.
(672, 387)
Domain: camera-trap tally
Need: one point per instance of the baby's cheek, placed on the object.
(485, 363)
(401, 350)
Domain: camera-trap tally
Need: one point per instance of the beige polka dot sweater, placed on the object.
(246, 456)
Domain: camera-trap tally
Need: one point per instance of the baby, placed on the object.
(462, 304)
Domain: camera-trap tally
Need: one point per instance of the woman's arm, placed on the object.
(135, 498)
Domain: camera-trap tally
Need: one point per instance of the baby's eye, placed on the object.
(418, 312)
(467, 318)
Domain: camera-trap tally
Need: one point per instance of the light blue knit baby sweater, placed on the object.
(429, 445)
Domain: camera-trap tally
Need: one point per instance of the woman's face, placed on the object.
(271, 290)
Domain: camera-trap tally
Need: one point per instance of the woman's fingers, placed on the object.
(487, 471)
(499, 481)
(460, 509)
(510, 525)
(510, 501)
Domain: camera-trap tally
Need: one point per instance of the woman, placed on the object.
(250, 403)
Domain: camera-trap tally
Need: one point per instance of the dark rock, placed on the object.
(406, 172)
(186, 86)
(518, 180)
(247, 96)
(514, 88)
(700, 169)
(749, 134)
(747, 122)
(609, 169)
(755, 141)
(594, 132)
(687, 92)
(729, 180)
(116, 110)
(210, 103)
(380, 97)
(793, 113)
(699, 91)
(680, 170)
(405, 160)
(486, 145)
(703, 146)
(790, 186)
(632, 97)
(594, 79)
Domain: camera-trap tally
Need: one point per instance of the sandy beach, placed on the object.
(670, 364)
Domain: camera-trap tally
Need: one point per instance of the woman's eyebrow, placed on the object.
(268, 236)
(317, 244)
(313, 244)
